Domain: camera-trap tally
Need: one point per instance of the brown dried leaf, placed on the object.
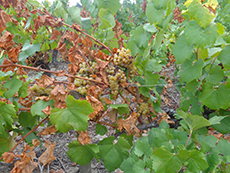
(34, 11)
(49, 130)
(47, 157)
(74, 57)
(60, 73)
(60, 104)
(45, 81)
(35, 142)
(55, 34)
(9, 68)
(59, 93)
(96, 104)
(94, 90)
(129, 125)
(13, 54)
(108, 101)
(47, 110)
(84, 138)
(27, 101)
(4, 18)
(21, 71)
(166, 118)
(27, 147)
(113, 115)
(227, 137)
(8, 157)
(25, 165)
(45, 98)
(62, 48)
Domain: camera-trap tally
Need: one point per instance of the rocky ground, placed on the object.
(170, 101)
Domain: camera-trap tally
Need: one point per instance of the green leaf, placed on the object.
(200, 13)
(191, 71)
(220, 28)
(194, 121)
(106, 18)
(35, 3)
(60, 11)
(158, 40)
(161, 137)
(224, 57)
(28, 50)
(113, 154)
(4, 145)
(36, 109)
(183, 154)
(133, 47)
(5, 75)
(111, 5)
(31, 136)
(23, 90)
(165, 161)
(86, 3)
(212, 51)
(26, 119)
(213, 160)
(7, 114)
(216, 75)
(195, 160)
(215, 98)
(86, 24)
(207, 142)
(13, 85)
(216, 119)
(160, 3)
(153, 65)
(223, 147)
(141, 37)
(74, 117)
(142, 147)
(223, 127)
(181, 50)
(165, 22)
(131, 166)
(82, 154)
(150, 28)
(121, 108)
(100, 129)
(75, 14)
(155, 16)
(192, 86)
(199, 36)
(151, 78)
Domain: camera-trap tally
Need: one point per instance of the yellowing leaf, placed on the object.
(212, 3)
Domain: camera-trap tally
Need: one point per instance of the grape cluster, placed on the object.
(142, 109)
(124, 58)
(84, 71)
(114, 81)
(40, 90)
(110, 69)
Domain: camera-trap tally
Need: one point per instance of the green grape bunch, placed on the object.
(115, 80)
(142, 109)
(40, 91)
(84, 71)
(123, 58)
